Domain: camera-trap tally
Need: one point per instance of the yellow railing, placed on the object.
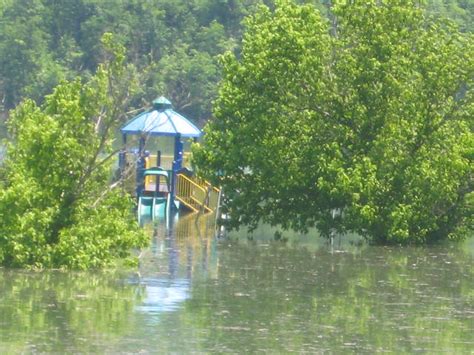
(196, 194)
(212, 193)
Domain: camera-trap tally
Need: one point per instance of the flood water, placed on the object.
(240, 294)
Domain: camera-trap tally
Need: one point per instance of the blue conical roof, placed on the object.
(161, 120)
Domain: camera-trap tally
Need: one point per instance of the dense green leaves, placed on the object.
(367, 130)
(45, 41)
(173, 43)
(56, 207)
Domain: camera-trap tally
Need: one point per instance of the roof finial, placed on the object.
(162, 103)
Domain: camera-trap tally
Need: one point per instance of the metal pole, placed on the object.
(158, 177)
(177, 162)
(158, 158)
(140, 166)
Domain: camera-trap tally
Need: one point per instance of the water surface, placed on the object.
(196, 293)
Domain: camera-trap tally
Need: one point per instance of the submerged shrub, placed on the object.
(57, 205)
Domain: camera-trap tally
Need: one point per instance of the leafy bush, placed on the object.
(56, 206)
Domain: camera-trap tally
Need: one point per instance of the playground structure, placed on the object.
(165, 184)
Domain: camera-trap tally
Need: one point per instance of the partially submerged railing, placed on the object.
(197, 194)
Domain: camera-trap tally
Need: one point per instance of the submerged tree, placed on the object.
(56, 207)
(364, 124)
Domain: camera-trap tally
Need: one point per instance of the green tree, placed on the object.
(26, 67)
(45, 41)
(188, 78)
(368, 130)
(56, 206)
(460, 11)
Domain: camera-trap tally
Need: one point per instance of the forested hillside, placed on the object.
(172, 44)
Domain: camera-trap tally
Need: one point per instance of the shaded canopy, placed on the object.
(161, 120)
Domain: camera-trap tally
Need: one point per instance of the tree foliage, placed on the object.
(367, 130)
(45, 41)
(56, 207)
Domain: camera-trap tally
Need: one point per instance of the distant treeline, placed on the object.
(173, 44)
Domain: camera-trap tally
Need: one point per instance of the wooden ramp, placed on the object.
(196, 194)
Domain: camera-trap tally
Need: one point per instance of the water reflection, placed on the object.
(178, 252)
(374, 299)
(163, 296)
(248, 293)
(63, 312)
